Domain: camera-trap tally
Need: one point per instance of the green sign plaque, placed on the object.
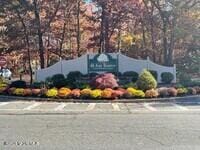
(102, 63)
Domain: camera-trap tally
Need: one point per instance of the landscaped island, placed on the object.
(104, 86)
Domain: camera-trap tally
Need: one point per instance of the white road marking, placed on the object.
(147, 106)
(116, 107)
(32, 106)
(180, 107)
(91, 106)
(60, 107)
(4, 103)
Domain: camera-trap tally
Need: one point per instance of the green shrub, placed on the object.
(119, 74)
(58, 80)
(132, 74)
(131, 84)
(146, 81)
(72, 78)
(167, 77)
(191, 83)
(195, 83)
(80, 85)
(84, 75)
(178, 86)
(74, 75)
(37, 85)
(184, 78)
(18, 84)
(48, 82)
(92, 74)
(154, 73)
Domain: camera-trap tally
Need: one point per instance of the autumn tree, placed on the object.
(167, 13)
(166, 31)
(112, 15)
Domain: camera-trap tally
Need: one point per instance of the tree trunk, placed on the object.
(70, 44)
(171, 46)
(106, 37)
(143, 35)
(29, 59)
(47, 51)
(78, 38)
(119, 41)
(106, 30)
(153, 43)
(28, 47)
(165, 43)
(102, 33)
(62, 39)
(40, 35)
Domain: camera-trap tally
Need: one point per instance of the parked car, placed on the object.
(6, 73)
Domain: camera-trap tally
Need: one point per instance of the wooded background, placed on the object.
(43, 31)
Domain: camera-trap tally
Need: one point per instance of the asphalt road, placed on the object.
(149, 128)
(8, 107)
(100, 132)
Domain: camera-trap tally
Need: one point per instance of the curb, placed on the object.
(168, 99)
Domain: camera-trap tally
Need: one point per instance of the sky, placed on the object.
(88, 1)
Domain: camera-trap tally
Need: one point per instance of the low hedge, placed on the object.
(154, 74)
(167, 77)
(133, 75)
(18, 84)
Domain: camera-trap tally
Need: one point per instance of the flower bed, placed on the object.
(96, 94)
(102, 87)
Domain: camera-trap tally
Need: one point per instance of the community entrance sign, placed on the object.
(102, 63)
(105, 62)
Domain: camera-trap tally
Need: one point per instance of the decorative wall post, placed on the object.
(118, 64)
(61, 66)
(174, 71)
(148, 60)
(88, 57)
(36, 75)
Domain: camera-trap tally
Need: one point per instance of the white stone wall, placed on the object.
(125, 64)
(79, 64)
(63, 67)
(130, 64)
